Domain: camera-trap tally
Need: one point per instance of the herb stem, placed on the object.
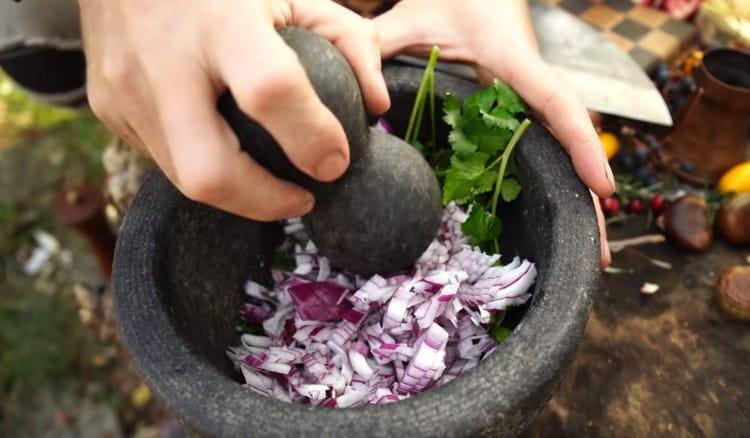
(505, 158)
(432, 110)
(415, 120)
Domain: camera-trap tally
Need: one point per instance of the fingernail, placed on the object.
(610, 176)
(606, 255)
(331, 167)
(303, 207)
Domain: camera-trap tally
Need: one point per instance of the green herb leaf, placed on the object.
(500, 333)
(500, 118)
(461, 144)
(482, 100)
(452, 110)
(507, 98)
(488, 140)
(510, 189)
(463, 176)
(481, 226)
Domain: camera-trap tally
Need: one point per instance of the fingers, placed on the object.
(208, 164)
(356, 38)
(569, 121)
(606, 255)
(394, 35)
(271, 87)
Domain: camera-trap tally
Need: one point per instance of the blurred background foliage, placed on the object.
(57, 377)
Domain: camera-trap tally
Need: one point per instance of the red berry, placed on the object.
(636, 206)
(657, 203)
(610, 206)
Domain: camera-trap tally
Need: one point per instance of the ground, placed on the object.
(652, 365)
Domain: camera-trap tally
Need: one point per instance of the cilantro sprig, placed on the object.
(477, 170)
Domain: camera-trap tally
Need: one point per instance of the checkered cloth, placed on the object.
(650, 36)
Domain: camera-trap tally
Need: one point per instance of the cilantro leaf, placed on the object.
(481, 225)
(452, 110)
(485, 183)
(482, 100)
(500, 333)
(507, 98)
(463, 176)
(500, 118)
(510, 189)
(489, 140)
(461, 144)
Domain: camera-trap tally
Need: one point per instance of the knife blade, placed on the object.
(605, 78)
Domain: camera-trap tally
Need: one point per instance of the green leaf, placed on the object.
(482, 100)
(418, 146)
(461, 144)
(510, 189)
(488, 140)
(500, 118)
(441, 160)
(500, 333)
(508, 99)
(463, 176)
(481, 226)
(452, 110)
(485, 183)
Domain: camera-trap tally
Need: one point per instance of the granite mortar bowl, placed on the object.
(180, 267)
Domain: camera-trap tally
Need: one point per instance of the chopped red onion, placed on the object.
(337, 340)
(383, 125)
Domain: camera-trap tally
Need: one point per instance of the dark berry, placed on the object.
(662, 74)
(641, 155)
(687, 166)
(610, 206)
(642, 174)
(651, 141)
(679, 102)
(636, 206)
(688, 83)
(650, 180)
(626, 160)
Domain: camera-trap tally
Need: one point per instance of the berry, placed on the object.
(662, 74)
(610, 206)
(651, 141)
(641, 155)
(626, 160)
(687, 166)
(688, 83)
(636, 206)
(643, 174)
(657, 203)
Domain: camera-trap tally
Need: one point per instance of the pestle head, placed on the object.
(382, 214)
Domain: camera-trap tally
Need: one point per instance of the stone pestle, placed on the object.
(382, 214)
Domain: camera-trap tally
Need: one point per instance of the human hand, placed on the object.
(496, 37)
(156, 69)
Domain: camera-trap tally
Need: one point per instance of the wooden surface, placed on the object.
(669, 364)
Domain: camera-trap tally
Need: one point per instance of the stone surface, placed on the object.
(386, 205)
(180, 266)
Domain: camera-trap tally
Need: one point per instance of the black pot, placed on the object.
(180, 266)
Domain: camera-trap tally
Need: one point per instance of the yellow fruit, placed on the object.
(610, 143)
(736, 179)
(140, 396)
